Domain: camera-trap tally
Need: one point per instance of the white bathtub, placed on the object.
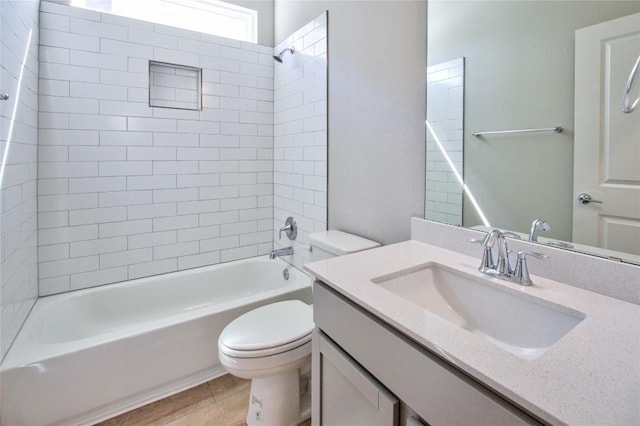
(85, 356)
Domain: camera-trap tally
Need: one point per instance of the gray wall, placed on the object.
(377, 89)
(519, 71)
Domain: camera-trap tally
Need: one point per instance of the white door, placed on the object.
(606, 140)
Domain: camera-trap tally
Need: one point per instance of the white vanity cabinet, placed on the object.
(362, 365)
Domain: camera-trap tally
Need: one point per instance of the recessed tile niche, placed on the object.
(175, 86)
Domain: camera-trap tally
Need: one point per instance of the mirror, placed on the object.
(519, 74)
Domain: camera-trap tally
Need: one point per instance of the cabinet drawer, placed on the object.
(438, 392)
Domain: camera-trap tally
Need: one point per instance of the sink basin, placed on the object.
(514, 321)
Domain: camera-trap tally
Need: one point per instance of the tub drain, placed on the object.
(285, 273)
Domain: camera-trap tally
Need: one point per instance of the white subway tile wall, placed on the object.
(445, 112)
(126, 190)
(18, 192)
(300, 137)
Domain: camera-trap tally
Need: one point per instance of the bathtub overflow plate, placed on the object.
(285, 273)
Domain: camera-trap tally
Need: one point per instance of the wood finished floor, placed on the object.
(220, 402)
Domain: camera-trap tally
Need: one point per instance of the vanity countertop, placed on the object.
(591, 376)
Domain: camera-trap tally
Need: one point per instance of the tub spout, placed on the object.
(287, 251)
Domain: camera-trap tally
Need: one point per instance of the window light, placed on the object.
(206, 16)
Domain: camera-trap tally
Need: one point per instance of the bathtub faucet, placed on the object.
(287, 251)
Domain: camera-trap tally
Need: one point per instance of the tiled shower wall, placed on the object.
(126, 190)
(300, 136)
(19, 135)
(445, 112)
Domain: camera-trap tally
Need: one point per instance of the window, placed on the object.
(205, 16)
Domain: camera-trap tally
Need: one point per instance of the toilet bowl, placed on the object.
(271, 345)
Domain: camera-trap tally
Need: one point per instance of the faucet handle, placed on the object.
(290, 228)
(535, 254)
(486, 265)
(521, 272)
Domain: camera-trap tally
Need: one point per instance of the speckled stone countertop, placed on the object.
(591, 376)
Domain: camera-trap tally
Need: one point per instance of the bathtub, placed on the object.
(86, 356)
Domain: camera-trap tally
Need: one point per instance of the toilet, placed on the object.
(271, 345)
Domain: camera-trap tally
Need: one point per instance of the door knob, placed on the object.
(585, 198)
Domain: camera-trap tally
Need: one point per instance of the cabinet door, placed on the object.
(344, 393)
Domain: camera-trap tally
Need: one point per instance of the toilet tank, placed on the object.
(332, 243)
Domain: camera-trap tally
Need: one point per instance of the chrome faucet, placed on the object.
(287, 251)
(502, 267)
(536, 226)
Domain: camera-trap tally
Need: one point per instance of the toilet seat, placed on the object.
(268, 330)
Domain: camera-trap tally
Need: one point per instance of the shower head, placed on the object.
(278, 57)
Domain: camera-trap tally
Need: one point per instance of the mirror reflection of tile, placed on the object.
(445, 112)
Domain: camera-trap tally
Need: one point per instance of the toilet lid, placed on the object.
(340, 243)
(270, 326)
